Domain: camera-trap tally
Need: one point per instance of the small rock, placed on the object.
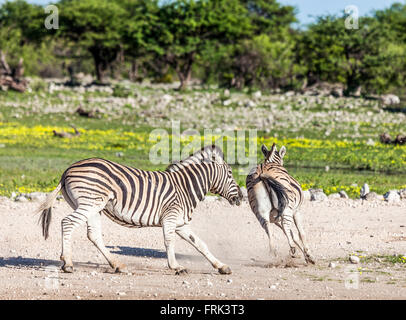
(332, 265)
(227, 102)
(392, 196)
(318, 196)
(257, 94)
(306, 195)
(37, 196)
(250, 104)
(389, 99)
(364, 191)
(121, 293)
(354, 259)
(21, 198)
(402, 193)
(371, 196)
(343, 194)
(229, 281)
(334, 196)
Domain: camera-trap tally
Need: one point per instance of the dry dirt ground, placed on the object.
(29, 265)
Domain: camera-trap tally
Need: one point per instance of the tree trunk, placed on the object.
(133, 74)
(185, 71)
(100, 70)
(100, 62)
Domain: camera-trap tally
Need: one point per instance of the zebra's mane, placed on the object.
(206, 154)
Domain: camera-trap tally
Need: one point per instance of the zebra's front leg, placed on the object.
(187, 234)
(169, 228)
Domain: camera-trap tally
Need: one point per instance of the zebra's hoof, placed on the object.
(310, 259)
(120, 268)
(224, 270)
(67, 269)
(293, 252)
(181, 272)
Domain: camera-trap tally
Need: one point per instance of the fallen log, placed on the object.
(12, 78)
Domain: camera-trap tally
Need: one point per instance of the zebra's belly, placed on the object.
(131, 219)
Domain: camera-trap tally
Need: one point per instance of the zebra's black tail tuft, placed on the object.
(279, 191)
(45, 219)
(46, 211)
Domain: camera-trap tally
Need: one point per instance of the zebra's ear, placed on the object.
(265, 151)
(282, 152)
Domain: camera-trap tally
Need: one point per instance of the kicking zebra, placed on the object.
(138, 198)
(275, 197)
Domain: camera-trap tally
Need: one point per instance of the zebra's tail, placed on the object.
(46, 211)
(278, 189)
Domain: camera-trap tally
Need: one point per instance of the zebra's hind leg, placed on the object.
(69, 224)
(287, 219)
(95, 235)
(187, 234)
(267, 227)
(298, 222)
(169, 227)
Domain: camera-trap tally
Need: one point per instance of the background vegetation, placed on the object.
(234, 43)
(237, 46)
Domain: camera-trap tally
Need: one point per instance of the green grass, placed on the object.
(33, 159)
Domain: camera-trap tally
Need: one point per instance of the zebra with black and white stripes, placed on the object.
(275, 197)
(138, 198)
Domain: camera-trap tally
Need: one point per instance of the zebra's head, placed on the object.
(225, 185)
(223, 182)
(273, 155)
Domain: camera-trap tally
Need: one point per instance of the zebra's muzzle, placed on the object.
(235, 201)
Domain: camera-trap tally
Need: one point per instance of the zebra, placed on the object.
(275, 197)
(136, 198)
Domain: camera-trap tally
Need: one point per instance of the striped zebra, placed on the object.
(138, 198)
(275, 197)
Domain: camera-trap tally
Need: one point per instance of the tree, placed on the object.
(355, 57)
(264, 58)
(25, 42)
(268, 16)
(184, 28)
(141, 19)
(25, 17)
(95, 26)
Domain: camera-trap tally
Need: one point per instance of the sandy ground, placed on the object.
(30, 266)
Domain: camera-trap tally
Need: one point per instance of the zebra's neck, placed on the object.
(194, 180)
